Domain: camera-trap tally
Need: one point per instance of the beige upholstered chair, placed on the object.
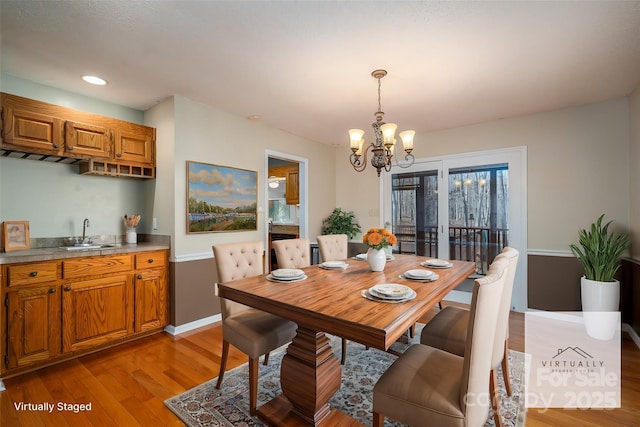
(252, 331)
(448, 330)
(429, 386)
(292, 253)
(333, 247)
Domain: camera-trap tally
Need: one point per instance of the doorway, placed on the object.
(463, 207)
(285, 200)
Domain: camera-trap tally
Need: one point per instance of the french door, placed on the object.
(464, 207)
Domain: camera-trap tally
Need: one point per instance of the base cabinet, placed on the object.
(59, 309)
(34, 325)
(95, 312)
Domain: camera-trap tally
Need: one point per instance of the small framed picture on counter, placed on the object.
(15, 235)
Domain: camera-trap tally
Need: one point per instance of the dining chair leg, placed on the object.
(343, 359)
(495, 397)
(253, 386)
(412, 330)
(505, 368)
(378, 419)
(266, 359)
(223, 363)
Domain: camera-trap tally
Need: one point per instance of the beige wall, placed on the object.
(634, 164)
(577, 167)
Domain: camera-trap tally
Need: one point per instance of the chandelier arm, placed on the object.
(359, 163)
(410, 158)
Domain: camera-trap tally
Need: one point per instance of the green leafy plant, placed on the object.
(600, 251)
(341, 222)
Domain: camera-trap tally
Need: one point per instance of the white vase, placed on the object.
(600, 305)
(377, 258)
(131, 236)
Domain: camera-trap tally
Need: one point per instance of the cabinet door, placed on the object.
(95, 312)
(151, 300)
(293, 188)
(34, 325)
(36, 132)
(83, 140)
(134, 147)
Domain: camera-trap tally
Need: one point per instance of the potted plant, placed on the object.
(599, 253)
(341, 222)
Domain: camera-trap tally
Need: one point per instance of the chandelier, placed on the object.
(384, 146)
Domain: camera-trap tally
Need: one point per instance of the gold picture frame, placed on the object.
(15, 235)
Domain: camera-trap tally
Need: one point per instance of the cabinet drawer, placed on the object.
(95, 266)
(151, 259)
(27, 274)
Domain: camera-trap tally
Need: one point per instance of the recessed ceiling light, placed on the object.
(94, 80)
(254, 118)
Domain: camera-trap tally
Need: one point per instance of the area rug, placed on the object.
(203, 405)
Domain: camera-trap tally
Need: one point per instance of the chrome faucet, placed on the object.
(85, 224)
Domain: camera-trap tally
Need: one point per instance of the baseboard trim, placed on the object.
(177, 330)
(632, 333)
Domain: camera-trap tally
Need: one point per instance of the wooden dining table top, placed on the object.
(331, 301)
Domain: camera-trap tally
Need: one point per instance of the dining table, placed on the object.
(336, 302)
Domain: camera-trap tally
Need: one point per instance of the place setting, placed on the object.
(419, 275)
(334, 265)
(436, 263)
(286, 275)
(363, 257)
(389, 292)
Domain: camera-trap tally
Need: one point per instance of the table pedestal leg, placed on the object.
(310, 375)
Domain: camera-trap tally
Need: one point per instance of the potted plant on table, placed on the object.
(377, 239)
(341, 222)
(599, 253)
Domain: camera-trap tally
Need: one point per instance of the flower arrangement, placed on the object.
(379, 238)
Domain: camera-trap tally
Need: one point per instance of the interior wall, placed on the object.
(634, 165)
(577, 168)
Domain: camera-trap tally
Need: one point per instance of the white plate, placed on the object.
(334, 264)
(287, 273)
(436, 263)
(368, 295)
(271, 278)
(419, 274)
(391, 290)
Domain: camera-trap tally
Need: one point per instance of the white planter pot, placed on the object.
(377, 259)
(600, 304)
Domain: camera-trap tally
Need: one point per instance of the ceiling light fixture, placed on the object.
(274, 182)
(94, 80)
(383, 147)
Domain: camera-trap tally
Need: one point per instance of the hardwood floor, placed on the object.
(127, 385)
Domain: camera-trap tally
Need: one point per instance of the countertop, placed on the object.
(45, 254)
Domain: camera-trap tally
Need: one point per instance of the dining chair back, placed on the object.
(333, 247)
(431, 387)
(292, 253)
(252, 331)
(448, 330)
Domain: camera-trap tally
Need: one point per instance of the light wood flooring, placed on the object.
(127, 385)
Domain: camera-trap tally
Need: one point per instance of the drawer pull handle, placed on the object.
(52, 290)
(33, 274)
(67, 288)
(150, 260)
(70, 147)
(139, 276)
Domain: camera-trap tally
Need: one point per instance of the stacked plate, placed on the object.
(420, 275)
(390, 292)
(363, 257)
(286, 275)
(334, 265)
(436, 263)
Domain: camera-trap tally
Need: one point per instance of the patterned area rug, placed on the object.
(203, 405)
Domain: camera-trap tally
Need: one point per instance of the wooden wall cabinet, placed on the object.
(101, 145)
(292, 192)
(60, 309)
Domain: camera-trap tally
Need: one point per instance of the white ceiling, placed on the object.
(305, 66)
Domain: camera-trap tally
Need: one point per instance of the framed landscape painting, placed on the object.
(220, 198)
